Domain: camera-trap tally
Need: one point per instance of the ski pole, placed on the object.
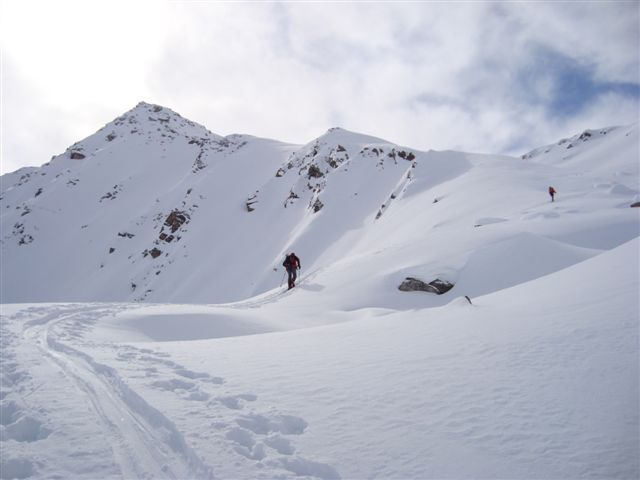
(282, 281)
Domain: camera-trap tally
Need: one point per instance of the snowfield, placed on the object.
(195, 363)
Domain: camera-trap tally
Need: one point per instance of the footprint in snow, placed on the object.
(234, 402)
(159, 359)
(183, 388)
(260, 424)
(256, 435)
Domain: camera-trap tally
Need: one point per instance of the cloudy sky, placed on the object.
(496, 77)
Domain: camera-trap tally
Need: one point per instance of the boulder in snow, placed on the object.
(436, 286)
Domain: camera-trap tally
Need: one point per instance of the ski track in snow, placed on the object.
(144, 441)
(263, 437)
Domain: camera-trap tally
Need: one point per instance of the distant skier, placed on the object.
(292, 264)
(552, 192)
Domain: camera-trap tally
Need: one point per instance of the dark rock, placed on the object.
(436, 286)
(162, 236)
(280, 172)
(25, 240)
(585, 136)
(315, 172)
(126, 234)
(290, 199)
(111, 250)
(39, 191)
(410, 156)
(341, 149)
(411, 284)
(155, 253)
(441, 285)
(317, 205)
(637, 204)
(111, 137)
(176, 219)
(251, 201)
(75, 155)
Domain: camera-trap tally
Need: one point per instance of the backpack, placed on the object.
(291, 262)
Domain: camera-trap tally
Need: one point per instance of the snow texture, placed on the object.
(145, 331)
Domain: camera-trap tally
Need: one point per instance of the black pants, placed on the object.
(292, 272)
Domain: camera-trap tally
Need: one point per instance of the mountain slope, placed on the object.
(534, 375)
(154, 207)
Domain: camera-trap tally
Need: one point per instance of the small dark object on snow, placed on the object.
(317, 205)
(637, 204)
(77, 156)
(468, 300)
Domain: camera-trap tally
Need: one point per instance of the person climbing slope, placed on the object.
(552, 192)
(292, 264)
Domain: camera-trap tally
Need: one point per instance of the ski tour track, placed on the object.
(143, 441)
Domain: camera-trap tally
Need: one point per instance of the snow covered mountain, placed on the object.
(375, 365)
(155, 207)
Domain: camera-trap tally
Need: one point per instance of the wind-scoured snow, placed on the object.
(533, 375)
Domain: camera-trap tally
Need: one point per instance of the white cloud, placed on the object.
(428, 75)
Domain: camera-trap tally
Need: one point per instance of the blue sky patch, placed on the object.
(573, 85)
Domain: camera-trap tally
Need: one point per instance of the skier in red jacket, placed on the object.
(552, 192)
(292, 264)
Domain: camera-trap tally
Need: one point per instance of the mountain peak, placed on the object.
(348, 137)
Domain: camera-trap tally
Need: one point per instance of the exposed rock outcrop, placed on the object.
(176, 219)
(315, 172)
(317, 205)
(251, 200)
(436, 286)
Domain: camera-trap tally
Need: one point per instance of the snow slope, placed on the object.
(160, 209)
(533, 381)
(345, 376)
